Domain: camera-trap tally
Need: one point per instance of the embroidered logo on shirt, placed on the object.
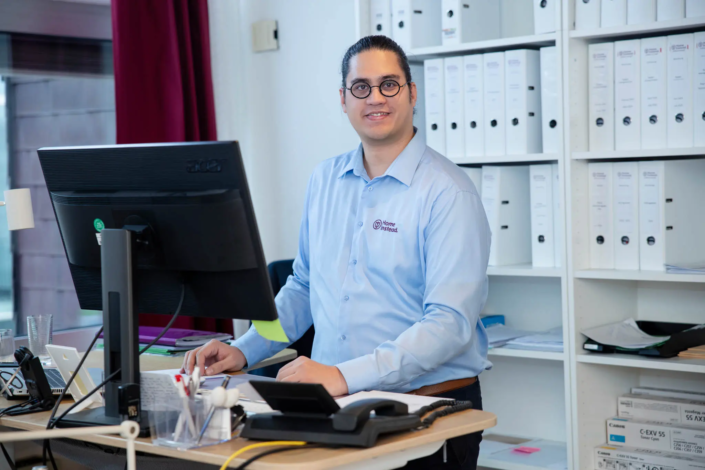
(385, 226)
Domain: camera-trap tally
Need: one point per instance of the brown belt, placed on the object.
(443, 387)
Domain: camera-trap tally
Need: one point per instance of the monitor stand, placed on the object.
(120, 334)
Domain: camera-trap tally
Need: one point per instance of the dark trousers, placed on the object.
(460, 452)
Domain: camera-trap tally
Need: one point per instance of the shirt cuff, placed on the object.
(253, 347)
(360, 373)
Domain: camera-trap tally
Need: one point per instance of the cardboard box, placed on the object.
(662, 409)
(629, 458)
(681, 439)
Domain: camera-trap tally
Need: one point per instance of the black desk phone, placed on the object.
(41, 397)
(307, 412)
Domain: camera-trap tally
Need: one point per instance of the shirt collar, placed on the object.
(402, 168)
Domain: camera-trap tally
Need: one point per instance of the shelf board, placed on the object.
(488, 462)
(643, 153)
(434, 52)
(627, 360)
(546, 355)
(525, 158)
(526, 270)
(624, 275)
(637, 29)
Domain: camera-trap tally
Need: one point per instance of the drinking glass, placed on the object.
(7, 346)
(39, 329)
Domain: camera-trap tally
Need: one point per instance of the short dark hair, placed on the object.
(382, 43)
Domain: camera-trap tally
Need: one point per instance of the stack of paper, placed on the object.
(626, 335)
(499, 335)
(685, 269)
(551, 340)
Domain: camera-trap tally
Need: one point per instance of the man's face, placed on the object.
(378, 117)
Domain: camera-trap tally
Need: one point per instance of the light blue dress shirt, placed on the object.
(391, 271)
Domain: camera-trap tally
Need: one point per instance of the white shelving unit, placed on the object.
(623, 275)
(640, 154)
(492, 159)
(571, 394)
(635, 30)
(597, 297)
(524, 270)
(518, 42)
(543, 355)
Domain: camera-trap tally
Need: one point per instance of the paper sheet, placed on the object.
(498, 335)
(489, 447)
(551, 340)
(157, 387)
(414, 402)
(271, 330)
(551, 455)
(242, 382)
(625, 335)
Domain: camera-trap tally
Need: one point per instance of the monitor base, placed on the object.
(96, 417)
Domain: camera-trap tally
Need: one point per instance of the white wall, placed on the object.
(282, 106)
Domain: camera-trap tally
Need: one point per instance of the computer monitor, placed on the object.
(139, 223)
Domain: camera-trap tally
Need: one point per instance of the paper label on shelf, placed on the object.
(624, 188)
(514, 81)
(601, 87)
(433, 77)
(599, 197)
(650, 202)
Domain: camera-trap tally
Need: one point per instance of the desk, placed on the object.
(390, 452)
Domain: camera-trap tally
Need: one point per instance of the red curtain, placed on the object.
(163, 87)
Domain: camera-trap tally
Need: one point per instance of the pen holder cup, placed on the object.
(178, 423)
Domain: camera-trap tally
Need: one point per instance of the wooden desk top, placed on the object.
(315, 459)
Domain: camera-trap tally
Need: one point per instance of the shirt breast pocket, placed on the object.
(392, 242)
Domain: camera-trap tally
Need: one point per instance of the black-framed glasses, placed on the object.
(388, 88)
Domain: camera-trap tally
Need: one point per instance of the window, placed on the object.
(58, 92)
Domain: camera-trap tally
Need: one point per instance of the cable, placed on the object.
(7, 457)
(4, 411)
(171, 322)
(261, 444)
(163, 332)
(247, 462)
(46, 446)
(51, 457)
(450, 408)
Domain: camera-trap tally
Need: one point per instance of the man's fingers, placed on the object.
(291, 364)
(286, 372)
(217, 367)
(203, 353)
(290, 378)
(188, 362)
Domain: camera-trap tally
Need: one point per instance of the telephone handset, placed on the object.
(41, 397)
(358, 413)
(307, 412)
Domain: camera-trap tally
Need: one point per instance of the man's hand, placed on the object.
(305, 370)
(213, 358)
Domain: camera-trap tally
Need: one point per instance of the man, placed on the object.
(392, 260)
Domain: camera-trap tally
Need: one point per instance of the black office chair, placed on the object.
(279, 272)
